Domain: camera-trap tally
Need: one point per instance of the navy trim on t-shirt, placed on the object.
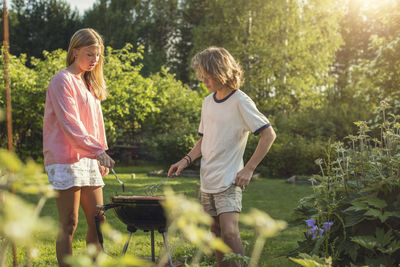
(200, 134)
(262, 128)
(224, 99)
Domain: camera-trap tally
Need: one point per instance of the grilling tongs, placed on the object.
(119, 181)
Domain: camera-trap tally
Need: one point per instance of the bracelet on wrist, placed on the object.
(190, 159)
(187, 161)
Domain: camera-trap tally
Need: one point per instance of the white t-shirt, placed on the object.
(225, 125)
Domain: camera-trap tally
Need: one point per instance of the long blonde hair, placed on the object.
(88, 37)
(219, 64)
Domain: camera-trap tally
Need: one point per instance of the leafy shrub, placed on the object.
(173, 131)
(289, 155)
(359, 192)
(28, 92)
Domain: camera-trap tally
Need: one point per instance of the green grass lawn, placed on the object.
(273, 196)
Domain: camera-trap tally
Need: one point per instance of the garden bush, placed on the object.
(289, 155)
(172, 132)
(353, 214)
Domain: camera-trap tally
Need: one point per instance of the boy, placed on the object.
(227, 116)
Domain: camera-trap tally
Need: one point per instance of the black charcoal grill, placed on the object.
(138, 212)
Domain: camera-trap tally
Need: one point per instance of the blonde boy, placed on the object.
(227, 117)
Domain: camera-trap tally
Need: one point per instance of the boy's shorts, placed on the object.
(229, 200)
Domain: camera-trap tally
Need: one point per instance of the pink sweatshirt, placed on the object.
(73, 126)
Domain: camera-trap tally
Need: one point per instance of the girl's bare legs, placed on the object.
(91, 196)
(68, 210)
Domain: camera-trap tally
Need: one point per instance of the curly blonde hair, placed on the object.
(219, 64)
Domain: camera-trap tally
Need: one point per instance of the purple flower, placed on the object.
(321, 231)
(310, 222)
(328, 226)
(315, 230)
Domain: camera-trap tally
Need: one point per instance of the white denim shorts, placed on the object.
(85, 172)
(229, 200)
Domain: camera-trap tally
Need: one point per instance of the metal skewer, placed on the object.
(121, 183)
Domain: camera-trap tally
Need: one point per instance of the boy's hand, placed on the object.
(243, 178)
(176, 168)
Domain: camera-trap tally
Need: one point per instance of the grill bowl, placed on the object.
(140, 212)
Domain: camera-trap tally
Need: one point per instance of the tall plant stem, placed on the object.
(40, 205)
(362, 155)
(355, 162)
(28, 261)
(3, 252)
(255, 255)
(196, 259)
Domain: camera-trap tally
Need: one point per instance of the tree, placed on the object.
(285, 47)
(190, 15)
(149, 23)
(370, 73)
(37, 25)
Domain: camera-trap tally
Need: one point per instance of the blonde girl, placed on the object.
(74, 141)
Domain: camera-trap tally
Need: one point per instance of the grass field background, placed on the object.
(272, 196)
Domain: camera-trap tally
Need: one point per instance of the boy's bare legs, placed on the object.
(226, 226)
(91, 197)
(68, 208)
(216, 229)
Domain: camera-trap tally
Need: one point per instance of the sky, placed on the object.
(82, 5)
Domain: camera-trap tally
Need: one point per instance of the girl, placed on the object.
(74, 140)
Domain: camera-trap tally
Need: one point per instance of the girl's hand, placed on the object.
(105, 160)
(103, 170)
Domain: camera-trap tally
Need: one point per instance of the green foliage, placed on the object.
(240, 260)
(173, 131)
(314, 261)
(20, 222)
(131, 97)
(292, 154)
(359, 191)
(28, 93)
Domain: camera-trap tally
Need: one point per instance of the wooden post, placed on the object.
(8, 97)
(6, 77)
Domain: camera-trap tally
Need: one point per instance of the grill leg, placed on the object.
(167, 248)
(153, 258)
(98, 230)
(126, 244)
